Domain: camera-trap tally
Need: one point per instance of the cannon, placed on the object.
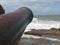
(13, 24)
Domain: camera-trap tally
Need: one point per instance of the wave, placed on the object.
(47, 38)
(43, 24)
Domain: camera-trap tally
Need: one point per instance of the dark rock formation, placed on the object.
(2, 11)
(53, 29)
(53, 32)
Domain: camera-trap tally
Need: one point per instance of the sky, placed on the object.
(38, 7)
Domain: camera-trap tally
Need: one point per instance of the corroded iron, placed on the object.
(12, 25)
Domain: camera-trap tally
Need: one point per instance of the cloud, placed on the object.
(2, 1)
(48, 1)
(47, 9)
(37, 6)
(24, 1)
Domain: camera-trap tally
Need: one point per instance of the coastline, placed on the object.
(31, 41)
(52, 33)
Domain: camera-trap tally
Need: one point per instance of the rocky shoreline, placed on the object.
(32, 41)
(52, 33)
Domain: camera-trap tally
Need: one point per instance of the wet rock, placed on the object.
(53, 32)
(59, 29)
(53, 29)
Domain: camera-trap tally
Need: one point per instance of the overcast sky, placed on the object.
(39, 7)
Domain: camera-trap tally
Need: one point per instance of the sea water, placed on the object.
(45, 22)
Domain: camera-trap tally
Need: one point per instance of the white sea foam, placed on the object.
(47, 38)
(42, 24)
(30, 36)
(52, 39)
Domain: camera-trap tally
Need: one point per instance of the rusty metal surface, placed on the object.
(12, 25)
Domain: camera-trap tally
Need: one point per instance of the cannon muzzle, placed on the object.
(12, 25)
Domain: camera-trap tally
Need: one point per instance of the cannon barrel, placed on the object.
(12, 25)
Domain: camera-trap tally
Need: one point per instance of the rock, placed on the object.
(53, 29)
(53, 32)
(2, 11)
(59, 29)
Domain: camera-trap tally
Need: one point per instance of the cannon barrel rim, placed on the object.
(28, 10)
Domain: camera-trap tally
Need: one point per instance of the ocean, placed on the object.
(43, 22)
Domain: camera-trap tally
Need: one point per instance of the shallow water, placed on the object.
(33, 42)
